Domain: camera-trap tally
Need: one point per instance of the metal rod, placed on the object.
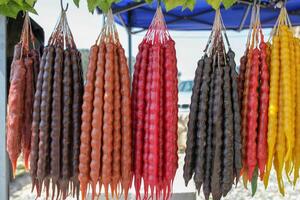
(4, 172)
(244, 17)
(123, 22)
(103, 20)
(139, 31)
(126, 8)
(268, 5)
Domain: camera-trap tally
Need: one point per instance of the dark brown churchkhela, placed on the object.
(36, 117)
(36, 62)
(44, 132)
(228, 152)
(20, 97)
(189, 164)
(216, 177)
(202, 123)
(213, 152)
(236, 116)
(67, 124)
(209, 156)
(56, 126)
(76, 116)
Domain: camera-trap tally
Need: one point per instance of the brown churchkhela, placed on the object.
(213, 153)
(28, 107)
(57, 116)
(105, 151)
(36, 121)
(189, 164)
(20, 97)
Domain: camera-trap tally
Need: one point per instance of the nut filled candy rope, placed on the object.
(28, 96)
(237, 117)
(289, 158)
(297, 121)
(273, 105)
(252, 114)
(97, 121)
(56, 125)
(36, 121)
(86, 126)
(108, 109)
(171, 115)
(14, 116)
(76, 116)
(126, 160)
(67, 124)
(209, 150)
(228, 160)
(141, 109)
(189, 162)
(135, 81)
(217, 135)
(201, 123)
(116, 175)
(146, 136)
(282, 143)
(263, 110)
(244, 112)
(46, 101)
(154, 119)
(161, 127)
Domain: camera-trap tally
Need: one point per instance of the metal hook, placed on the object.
(62, 7)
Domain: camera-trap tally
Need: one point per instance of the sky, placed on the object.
(86, 28)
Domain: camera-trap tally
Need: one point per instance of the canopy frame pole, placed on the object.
(244, 18)
(126, 8)
(4, 172)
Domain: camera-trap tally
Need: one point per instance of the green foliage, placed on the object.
(104, 5)
(254, 181)
(190, 4)
(228, 3)
(11, 8)
(76, 2)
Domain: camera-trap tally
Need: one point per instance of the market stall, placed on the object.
(116, 131)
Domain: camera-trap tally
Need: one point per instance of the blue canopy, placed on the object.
(139, 15)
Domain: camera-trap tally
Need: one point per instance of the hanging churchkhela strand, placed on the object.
(254, 84)
(57, 116)
(24, 69)
(154, 106)
(283, 136)
(213, 153)
(106, 149)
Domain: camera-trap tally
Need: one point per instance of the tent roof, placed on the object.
(139, 15)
